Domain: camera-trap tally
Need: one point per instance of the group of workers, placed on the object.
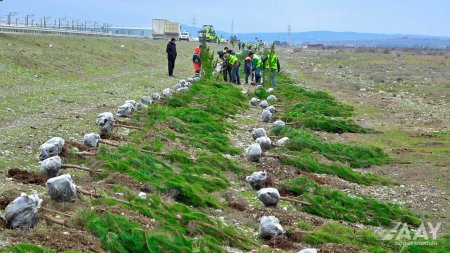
(254, 64)
(248, 46)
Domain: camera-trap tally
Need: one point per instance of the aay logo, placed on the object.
(422, 236)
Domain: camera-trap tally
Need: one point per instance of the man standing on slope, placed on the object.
(171, 51)
(272, 65)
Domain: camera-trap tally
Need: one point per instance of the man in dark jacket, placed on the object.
(171, 51)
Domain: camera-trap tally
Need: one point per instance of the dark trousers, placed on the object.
(247, 75)
(171, 66)
(227, 73)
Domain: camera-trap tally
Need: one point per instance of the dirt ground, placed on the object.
(405, 95)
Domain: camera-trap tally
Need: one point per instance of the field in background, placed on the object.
(56, 85)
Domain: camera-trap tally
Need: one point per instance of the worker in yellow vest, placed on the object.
(256, 66)
(234, 62)
(272, 65)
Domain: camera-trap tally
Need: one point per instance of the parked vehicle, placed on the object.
(185, 36)
(165, 29)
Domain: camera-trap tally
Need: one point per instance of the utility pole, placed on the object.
(10, 15)
(194, 21)
(59, 22)
(27, 18)
(46, 19)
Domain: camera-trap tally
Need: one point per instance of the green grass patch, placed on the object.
(334, 232)
(316, 110)
(29, 248)
(355, 156)
(193, 182)
(179, 229)
(336, 205)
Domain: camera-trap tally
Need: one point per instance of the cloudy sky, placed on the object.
(426, 17)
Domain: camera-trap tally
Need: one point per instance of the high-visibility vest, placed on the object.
(232, 59)
(258, 61)
(271, 62)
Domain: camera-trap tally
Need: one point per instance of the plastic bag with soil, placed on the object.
(50, 167)
(125, 110)
(105, 122)
(278, 123)
(271, 109)
(283, 141)
(266, 116)
(271, 98)
(166, 93)
(257, 180)
(61, 188)
(258, 132)
(91, 140)
(22, 213)
(264, 142)
(156, 96)
(254, 101)
(146, 100)
(269, 227)
(52, 147)
(254, 152)
(264, 104)
(269, 196)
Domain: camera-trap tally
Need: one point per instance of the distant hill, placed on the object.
(341, 38)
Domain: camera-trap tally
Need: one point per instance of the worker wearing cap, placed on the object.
(256, 66)
(272, 65)
(234, 62)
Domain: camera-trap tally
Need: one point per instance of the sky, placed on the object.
(426, 17)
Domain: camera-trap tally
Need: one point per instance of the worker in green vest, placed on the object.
(234, 62)
(272, 65)
(256, 66)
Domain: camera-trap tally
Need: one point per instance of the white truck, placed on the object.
(185, 36)
(165, 29)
